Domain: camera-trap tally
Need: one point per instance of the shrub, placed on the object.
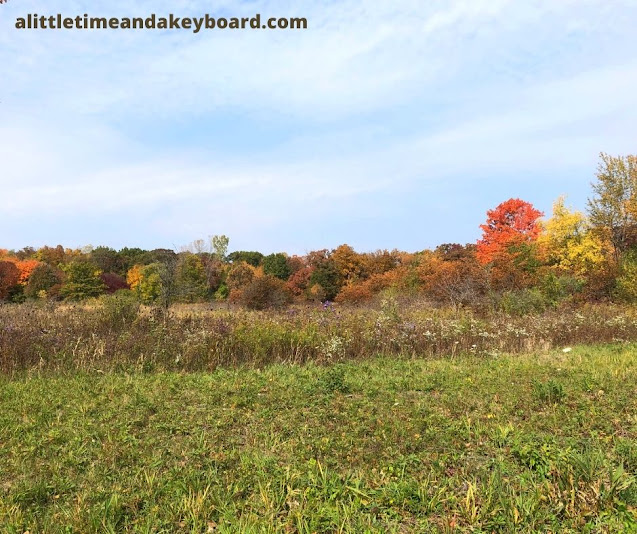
(354, 294)
(558, 288)
(120, 308)
(265, 292)
(333, 380)
(626, 284)
(523, 302)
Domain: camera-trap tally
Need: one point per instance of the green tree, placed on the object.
(249, 256)
(192, 281)
(219, 246)
(108, 260)
(44, 281)
(277, 265)
(82, 281)
(149, 283)
(326, 275)
(612, 208)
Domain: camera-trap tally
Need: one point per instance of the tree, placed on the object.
(26, 267)
(613, 209)
(53, 256)
(146, 282)
(277, 265)
(192, 281)
(380, 262)
(219, 246)
(134, 277)
(455, 252)
(327, 277)
(568, 243)
(508, 244)
(299, 282)
(250, 257)
(626, 284)
(113, 282)
(512, 223)
(9, 276)
(82, 281)
(45, 281)
(130, 257)
(265, 292)
(108, 260)
(239, 276)
(349, 264)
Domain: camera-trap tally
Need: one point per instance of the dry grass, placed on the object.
(115, 334)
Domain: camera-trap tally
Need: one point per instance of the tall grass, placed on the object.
(115, 334)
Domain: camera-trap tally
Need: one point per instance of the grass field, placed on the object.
(526, 443)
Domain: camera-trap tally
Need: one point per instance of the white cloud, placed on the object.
(375, 98)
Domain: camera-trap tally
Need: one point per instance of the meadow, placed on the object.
(398, 418)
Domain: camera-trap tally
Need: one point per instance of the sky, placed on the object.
(385, 124)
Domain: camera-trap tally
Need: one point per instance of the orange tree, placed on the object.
(508, 243)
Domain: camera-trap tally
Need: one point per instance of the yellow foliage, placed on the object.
(134, 276)
(569, 244)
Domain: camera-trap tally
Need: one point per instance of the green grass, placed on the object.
(526, 443)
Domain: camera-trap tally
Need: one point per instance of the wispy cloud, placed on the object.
(374, 103)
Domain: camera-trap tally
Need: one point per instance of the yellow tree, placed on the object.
(134, 276)
(569, 244)
(349, 264)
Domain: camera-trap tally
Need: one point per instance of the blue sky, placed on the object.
(385, 124)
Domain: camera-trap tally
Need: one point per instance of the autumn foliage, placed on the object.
(519, 258)
(510, 224)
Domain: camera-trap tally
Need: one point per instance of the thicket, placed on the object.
(115, 333)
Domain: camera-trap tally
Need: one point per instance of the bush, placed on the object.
(354, 294)
(523, 302)
(265, 292)
(120, 308)
(334, 380)
(558, 288)
(626, 284)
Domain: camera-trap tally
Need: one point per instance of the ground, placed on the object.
(523, 443)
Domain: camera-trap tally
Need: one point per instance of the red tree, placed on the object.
(514, 222)
(9, 276)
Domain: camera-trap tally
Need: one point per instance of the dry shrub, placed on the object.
(111, 335)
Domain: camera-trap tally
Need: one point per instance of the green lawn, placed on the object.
(544, 442)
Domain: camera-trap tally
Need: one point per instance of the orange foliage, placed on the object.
(354, 294)
(299, 282)
(512, 223)
(26, 267)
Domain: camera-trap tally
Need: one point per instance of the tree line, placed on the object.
(522, 259)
